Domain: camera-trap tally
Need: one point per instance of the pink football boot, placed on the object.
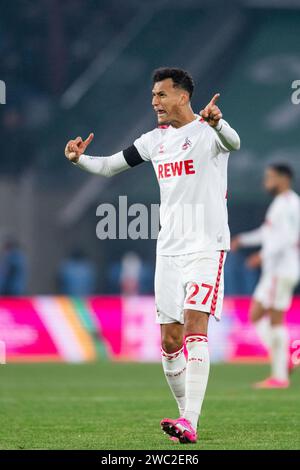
(180, 428)
(272, 383)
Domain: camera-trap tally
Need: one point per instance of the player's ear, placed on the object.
(184, 99)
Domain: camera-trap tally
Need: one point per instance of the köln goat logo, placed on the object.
(187, 144)
(161, 149)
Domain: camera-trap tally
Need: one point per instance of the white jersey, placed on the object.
(279, 237)
(190, 163)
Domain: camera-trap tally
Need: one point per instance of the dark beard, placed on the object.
(273, 192)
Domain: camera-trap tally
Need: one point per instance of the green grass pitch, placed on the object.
(119, 406)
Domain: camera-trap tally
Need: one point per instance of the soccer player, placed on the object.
(279, 259)
(189, 154)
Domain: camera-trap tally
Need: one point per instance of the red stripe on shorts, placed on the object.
(217, 284)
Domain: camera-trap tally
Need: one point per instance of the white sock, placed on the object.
(279, 352)
(197, 371)
(263, 330)
(174, 365)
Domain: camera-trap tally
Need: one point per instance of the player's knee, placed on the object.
(252, 315)
(256, 313)
(171, 343)
(276, 318)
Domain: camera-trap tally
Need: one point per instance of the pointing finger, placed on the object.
(89, 139)
(214, 99)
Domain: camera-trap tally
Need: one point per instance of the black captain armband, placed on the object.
(132, 156)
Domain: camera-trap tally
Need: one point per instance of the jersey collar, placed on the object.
(186, 127)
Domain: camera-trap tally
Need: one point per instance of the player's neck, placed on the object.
(183, 119)
(283, 189)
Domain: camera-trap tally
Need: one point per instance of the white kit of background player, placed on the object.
(279, 259)
(189, 154)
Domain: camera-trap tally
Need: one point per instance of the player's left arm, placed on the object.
(247, 239)
(228, 138)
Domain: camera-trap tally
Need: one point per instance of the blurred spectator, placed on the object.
(147, 278)
(13, 269)
(130, 275)
(77, 275)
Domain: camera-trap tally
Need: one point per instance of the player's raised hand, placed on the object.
(211, 113)
(76, 147)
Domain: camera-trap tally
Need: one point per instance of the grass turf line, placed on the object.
(119, 406)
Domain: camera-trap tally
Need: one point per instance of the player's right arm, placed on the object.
(226, 138)
(104, 166)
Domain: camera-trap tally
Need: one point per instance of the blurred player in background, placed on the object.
(279, 260)
(189, 154)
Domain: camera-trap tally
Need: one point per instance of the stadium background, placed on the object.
(84, 65)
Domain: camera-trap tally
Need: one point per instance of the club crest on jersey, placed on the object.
(187, 144)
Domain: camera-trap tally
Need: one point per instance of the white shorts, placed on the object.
(193, 281)
(275, 292)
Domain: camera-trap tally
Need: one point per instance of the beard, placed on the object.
(273, 191)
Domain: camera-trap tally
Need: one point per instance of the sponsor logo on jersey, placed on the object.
(183, 167)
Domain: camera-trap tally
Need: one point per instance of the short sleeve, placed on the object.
(143, 146)
(141, 149)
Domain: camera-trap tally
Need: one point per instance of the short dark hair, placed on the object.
(282, 169)
(181, 78)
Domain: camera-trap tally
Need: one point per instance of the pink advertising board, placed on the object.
(120, 328)
(243, 343)
(23, 332)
